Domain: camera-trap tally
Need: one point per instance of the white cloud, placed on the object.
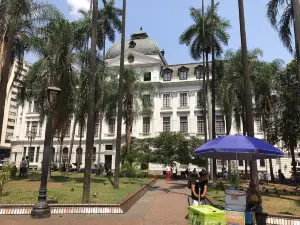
(75, 5)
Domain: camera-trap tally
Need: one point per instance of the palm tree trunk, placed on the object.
(294, 169)
(103, 51)
(79, 150)
(71, 145)
(4, 76)
(228, 128)
(249, 109)
(209, 117)
(120, 101)
(101, 102)
(296, 10)
(244, 122)
(271, 170)
(50, 162)
(213, 85)
(91, 109)
(60, 154)
(204, 83)
(100, 137)
(204, 76)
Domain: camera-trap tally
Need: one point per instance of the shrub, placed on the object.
(4, 176)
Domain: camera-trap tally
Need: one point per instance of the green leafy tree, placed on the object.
(204, 40)
(171, 147)
(233, 78)
(267, 101)
(289, 94)
(19, 21)
(137, 101)
(4, 177)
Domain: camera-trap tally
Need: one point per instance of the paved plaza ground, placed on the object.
(165, 203)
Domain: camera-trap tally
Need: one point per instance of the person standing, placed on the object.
(174, 171)
(26, 166)
(168, 171)
(22, 167)
(199, 189)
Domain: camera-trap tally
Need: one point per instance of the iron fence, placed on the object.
(274, 219)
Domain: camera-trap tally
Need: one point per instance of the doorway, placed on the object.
(108, 161)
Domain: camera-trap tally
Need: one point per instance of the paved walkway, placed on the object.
(165, 203)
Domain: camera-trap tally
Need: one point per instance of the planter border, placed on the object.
(270, 217)
(119, 208)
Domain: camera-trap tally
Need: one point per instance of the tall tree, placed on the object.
(54, 44)
(109, 22)
(91, 108)
(213, 86)
(267, 102)
(18, 22)
(289, 94)
(200, 40)
(248, 94)
(120, 100)
(284, 23)
(137, 102)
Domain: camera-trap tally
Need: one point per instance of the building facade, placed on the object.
(18, 71)
(176, 107)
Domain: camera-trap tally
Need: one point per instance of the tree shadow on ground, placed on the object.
(177, 186)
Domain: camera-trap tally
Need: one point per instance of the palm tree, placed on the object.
(290, 17)
(225, 95)
(109, 22)
(288, 91)
(54, 44)
(233, 66)
(120, 100)
(137, 102)
(266, 102)
(247, 89)
(91, 108)
(200, 40)
(18, 22)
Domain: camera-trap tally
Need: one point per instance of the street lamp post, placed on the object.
(41, 208)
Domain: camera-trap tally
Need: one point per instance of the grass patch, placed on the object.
(69, 189)
(285, 204)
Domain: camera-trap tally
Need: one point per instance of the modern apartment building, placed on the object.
(17, 74)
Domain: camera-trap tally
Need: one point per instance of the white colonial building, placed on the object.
(176, 108)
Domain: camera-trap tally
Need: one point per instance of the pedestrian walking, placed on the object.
(168, 172)
(174, 171)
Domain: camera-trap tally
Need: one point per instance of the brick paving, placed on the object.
(165, 203)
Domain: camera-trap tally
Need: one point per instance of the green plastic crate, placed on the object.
(206, 215)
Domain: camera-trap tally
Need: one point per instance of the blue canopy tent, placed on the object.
(238, 147)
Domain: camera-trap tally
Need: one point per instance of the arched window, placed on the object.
(52, 154)
(65, 154)
(94, 155)
(79, 155)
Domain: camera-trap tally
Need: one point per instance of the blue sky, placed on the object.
(165, 20)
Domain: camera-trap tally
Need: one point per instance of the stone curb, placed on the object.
(120, 208)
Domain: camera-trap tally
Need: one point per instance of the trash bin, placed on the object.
(206, 215)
